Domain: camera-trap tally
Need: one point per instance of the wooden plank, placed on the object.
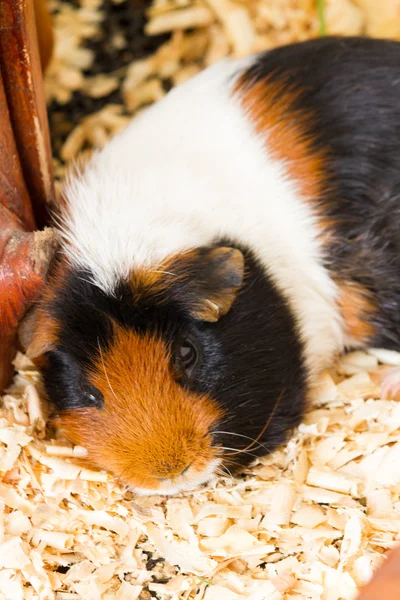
(22, 76)
(44, 30)
(13, 193)
(15, 216)
(25, 174)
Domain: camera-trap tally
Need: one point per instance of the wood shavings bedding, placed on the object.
(310, 521)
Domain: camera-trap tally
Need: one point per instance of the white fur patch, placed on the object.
(187, 170)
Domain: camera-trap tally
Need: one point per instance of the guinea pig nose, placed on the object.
(172, 473)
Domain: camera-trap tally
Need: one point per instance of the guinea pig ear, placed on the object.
(37, 333)
(216, 275)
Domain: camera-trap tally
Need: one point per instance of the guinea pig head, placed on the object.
(118, 367)
(185, 368)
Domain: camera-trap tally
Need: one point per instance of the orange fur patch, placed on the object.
(357, 309)
(150, 427)
(286, 130)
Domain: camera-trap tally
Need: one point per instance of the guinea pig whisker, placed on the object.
(234, 451)
(165, 273)
(220, 472)
(85, 280)
(264, 429)
(118, 480)
(278, 400)
(104, 368)
(239, 435)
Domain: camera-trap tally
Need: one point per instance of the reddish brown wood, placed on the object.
(15, 215)
(25, 169)
(22, 76)
(13, 193)
(25, 258)
(385, 585)
(44, 31)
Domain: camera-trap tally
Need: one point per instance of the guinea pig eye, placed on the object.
(186, 355)
(92, 396)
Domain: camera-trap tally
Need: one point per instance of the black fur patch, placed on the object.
(259, 359)
(66, 383)
(246, 358)
(351, 89)
(84, 327)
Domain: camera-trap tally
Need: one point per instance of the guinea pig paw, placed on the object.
(390, 386)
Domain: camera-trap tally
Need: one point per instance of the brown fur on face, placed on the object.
(150, 427)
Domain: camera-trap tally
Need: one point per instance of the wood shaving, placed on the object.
(184, 18)
(94, 131)
(71, 28)
(100, 85)
(383, 19)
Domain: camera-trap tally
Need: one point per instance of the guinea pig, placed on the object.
(218, 254)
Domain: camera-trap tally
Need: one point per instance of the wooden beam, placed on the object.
(20, 66)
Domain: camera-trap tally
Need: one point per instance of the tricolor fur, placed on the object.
(288, 161)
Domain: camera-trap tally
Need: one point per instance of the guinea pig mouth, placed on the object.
(187, 481)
